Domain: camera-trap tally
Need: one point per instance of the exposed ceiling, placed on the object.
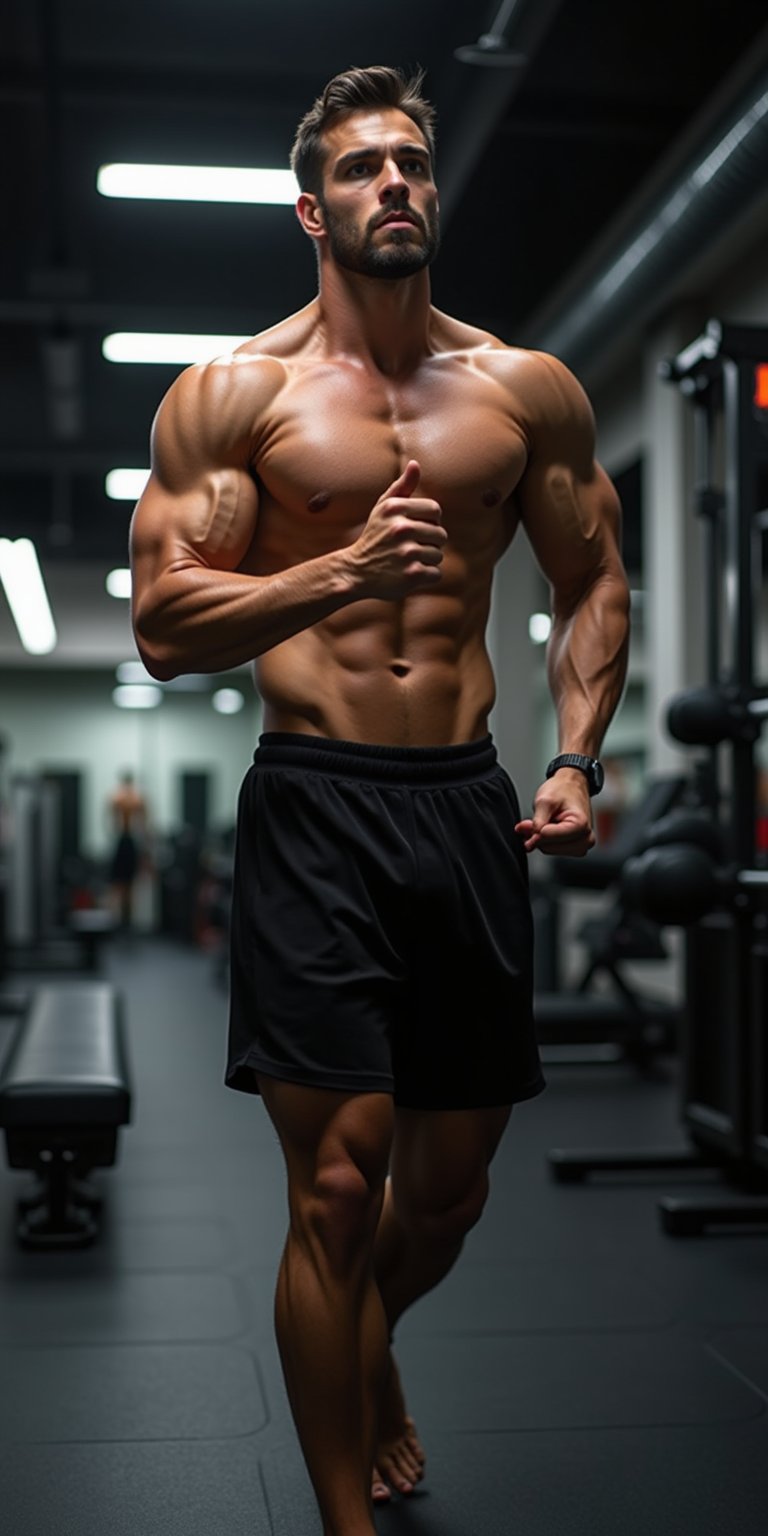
(533, 164)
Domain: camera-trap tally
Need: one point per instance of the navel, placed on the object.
(400, 668)
(491, 498)
(319, 502)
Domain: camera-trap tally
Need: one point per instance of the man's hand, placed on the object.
(400, 549)
(562, 817)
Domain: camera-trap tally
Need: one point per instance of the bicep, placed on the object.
(210, 522)
(200, 504)
(572, 517)
(567, 503)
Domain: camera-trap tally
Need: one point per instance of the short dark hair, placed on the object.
(357, 90)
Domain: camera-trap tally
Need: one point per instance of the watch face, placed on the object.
(598, 776)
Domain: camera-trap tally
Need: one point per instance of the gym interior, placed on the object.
(597, 1363)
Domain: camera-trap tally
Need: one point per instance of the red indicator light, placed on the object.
(761, 386)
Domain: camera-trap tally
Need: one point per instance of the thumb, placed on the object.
(406, 483)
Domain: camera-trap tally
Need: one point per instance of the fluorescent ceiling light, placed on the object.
(539, 628)
(133, 672)
(228, 701)
(137, 696)
(125, 484)
(27, 598)
(166, 347)
(198, 183)
(118, 582)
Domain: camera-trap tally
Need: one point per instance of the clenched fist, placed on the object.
(400, 549)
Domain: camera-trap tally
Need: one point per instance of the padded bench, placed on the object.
(591, 1018)
(64, 1092)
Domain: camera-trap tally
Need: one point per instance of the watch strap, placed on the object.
(589, 766)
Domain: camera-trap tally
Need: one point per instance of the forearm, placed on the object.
(195, 619)
(587, 664)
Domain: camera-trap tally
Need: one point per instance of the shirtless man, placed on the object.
(128, 817)
(332, 500)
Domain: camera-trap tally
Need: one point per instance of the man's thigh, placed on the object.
(320, 1129)
(440, 1158)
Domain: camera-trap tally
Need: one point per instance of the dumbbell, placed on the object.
(677, 883)
(704, 717)
(678, 880)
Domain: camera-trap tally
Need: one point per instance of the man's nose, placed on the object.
(393, 182)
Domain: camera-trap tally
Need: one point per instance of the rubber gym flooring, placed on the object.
(579, 1373)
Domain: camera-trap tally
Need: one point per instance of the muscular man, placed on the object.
(128, 817)
(332, 500)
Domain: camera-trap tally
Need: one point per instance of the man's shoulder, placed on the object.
(233, 390)
(540, 374)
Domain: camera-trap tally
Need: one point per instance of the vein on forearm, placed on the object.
(587, 662)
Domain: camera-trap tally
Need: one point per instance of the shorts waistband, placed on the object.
(362, 760)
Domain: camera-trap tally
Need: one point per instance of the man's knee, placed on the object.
(440, 1214)
(337, 1215)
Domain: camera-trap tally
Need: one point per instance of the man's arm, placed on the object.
(193, 611)
(571, 515)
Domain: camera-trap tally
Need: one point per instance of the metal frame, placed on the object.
(716, 373)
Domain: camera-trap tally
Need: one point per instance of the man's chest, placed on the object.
(336, 440)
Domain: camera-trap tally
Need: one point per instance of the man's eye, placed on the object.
(360, 166)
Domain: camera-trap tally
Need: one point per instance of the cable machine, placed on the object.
(704, 866)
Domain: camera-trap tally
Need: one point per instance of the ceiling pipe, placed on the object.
(492, 48)
(486, 93)
(644, 257)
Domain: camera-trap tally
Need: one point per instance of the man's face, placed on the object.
(377, 167)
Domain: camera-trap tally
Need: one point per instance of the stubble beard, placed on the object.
(400, 255)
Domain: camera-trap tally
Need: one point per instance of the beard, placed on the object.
(402, 254)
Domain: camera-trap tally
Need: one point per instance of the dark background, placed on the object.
(534, 163)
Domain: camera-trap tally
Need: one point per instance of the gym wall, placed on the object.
(66, 719)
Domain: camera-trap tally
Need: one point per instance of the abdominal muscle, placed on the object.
(407, 674)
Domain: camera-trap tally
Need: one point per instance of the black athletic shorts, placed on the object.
(125, 860)
(381, 927)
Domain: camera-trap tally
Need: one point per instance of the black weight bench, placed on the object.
(639, 1027)
(64, 1092)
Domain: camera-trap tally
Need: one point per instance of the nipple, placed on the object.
(491, 498)
(319, 502)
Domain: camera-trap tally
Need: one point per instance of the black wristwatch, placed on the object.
(589, 766)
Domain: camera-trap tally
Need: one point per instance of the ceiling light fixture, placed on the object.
(137, 696)
(492, 48)
(125, 484)
(133, 672)
(27, 598)
(118, 582)
(166, 347)
(198, 183)
(539, 628)
(228, 701)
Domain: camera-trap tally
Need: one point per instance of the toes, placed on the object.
(401, 1470)
(380, 1492)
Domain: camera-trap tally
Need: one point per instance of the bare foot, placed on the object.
(400, 1457)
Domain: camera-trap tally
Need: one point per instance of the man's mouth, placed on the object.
(397, 218)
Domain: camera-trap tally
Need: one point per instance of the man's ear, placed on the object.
(310, 215)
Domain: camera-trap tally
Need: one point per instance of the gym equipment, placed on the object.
(704, 871)
(705, 717)
(582, 1026)
(679, 882)
(64, 1092)
(36, 939)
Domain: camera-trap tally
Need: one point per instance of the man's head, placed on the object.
(363, 153)
(357, 90)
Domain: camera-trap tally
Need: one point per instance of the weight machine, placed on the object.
(701, 868)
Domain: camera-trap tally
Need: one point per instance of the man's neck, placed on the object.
(383, 323)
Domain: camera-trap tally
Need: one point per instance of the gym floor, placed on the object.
(579, 1374)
